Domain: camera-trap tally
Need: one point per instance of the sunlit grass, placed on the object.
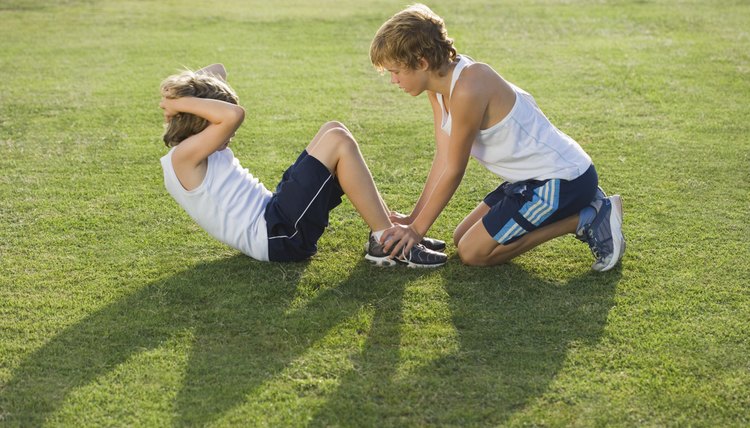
(116, 309)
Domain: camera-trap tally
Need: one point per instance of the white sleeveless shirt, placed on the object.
(229, 204)
(524, 145)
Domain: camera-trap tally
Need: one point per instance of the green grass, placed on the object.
(115, 309)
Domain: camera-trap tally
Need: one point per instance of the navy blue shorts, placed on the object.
(297, 213)
(519, 208)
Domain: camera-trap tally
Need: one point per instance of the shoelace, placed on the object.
(593, 244)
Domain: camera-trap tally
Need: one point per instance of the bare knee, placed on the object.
(333, 145)
(458, 234)
(339, 139)
(469, 255)
(472, 255)
(333, 124)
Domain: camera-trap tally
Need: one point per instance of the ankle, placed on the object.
(585, 217)
(377, 234)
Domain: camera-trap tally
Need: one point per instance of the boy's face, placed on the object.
(411, 81)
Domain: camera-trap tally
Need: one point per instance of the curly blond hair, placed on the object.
(410, 35)
(192, 84)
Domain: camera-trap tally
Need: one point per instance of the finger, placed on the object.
(390, 242)
(396, 250)
(390, 239)
(409, 246)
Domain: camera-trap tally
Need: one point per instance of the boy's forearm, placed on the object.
(215, 111)
(438, 200)
(436, 171)
(429, 187)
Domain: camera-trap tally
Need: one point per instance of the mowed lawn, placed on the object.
(116, 309)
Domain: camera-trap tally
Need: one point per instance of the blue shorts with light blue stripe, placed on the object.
(521, 207)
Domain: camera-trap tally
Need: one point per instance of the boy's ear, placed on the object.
(424, 65)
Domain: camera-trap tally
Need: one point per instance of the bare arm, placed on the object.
(468, 104)
(467, 110)
(189, 158)
(438, 162)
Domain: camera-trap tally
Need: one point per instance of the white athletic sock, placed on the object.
(378, 234)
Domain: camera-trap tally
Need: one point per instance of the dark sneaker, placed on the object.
(429, 243)
(604, 233)
(419, 256)
(376, 254)
(433, 244)
(422, 257)
(598, 196)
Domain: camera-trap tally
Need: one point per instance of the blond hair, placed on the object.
(192, 84)
(410, 35)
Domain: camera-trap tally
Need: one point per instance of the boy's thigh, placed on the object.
(520, 208)
(297, 214)
(472, 218)
(476, 242)
(307, 191)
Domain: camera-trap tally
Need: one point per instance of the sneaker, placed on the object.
(429, 243)
(419, 256)
(604, 233)
(422, 257)
(598, 196)
(376, 254)
(433, 244)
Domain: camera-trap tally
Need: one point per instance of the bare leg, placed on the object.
(323, 129)
(469, 221)
(335, 147)
(476, 247)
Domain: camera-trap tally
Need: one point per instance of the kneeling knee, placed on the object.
(469, 256)
(457, 237)
(472, 259)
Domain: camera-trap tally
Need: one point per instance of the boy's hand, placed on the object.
(167, 104)
(217, 70)
(398, 218)
(400, 238)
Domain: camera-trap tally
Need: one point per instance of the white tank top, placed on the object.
(524, 145)
(229, 204)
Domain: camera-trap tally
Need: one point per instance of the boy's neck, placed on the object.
(440, 80)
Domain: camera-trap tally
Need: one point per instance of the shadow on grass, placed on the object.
(513, 338)
(514, 335)
(237, 316)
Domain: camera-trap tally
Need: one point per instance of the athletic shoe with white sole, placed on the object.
(429, 243)
(433, 244)
(604, 233)
(419, 256)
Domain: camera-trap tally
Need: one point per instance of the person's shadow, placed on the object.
(513, 338)
(241, 320)
(245, 326)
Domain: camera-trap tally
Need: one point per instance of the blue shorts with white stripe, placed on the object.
(519, 208)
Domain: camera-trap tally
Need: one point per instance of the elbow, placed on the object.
(237, 114)
(240, 112)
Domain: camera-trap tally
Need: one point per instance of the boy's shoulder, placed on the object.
(477, 70)
(475, 78)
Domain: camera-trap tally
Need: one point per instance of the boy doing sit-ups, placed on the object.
(202, 174)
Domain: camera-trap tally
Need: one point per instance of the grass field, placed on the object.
(115, 309)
